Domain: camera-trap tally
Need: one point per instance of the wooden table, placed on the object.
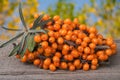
(12, 69)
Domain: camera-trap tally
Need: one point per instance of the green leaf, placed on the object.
(31, 42)
(22, 42)
(41, 24)
(11, 29)
(21, 16)
(35, 24)
(11, 40)
(24, 45)
(14, 51)
(38, 31)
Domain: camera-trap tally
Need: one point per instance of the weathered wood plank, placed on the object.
(13, 69)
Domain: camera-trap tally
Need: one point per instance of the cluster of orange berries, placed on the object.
(69, 45)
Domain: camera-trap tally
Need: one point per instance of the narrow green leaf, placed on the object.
(24, 46)
(38, 31)
(11, 29)
(31, 42)
(14, 51)
(11, 40)
(21, 16)
(41, 24)
(35, 24)
(22, 42)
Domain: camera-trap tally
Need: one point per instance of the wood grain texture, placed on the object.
(12, 69)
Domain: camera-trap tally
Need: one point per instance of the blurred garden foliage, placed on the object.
(105, 14)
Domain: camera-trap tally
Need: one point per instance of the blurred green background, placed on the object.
(104, 14)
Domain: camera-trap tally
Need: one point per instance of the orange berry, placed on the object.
(40, 50)
(71, 67)
(78, 41)
(58, 54)
(59, 21)
(84, 56)
(47, 61)
(56, 17)
(51, 39)
(80, 48)
(36, 15)
(47, 54)
(64, 52)
(44, 37)
(93, 67)
(65, 57)
(52, 67)
(94, 61)
(75, 21)
(36, 54)
(63, 65)
(76, 62)
(60, 46)
(69, 57)
(56, 27)
(92, 35)
(44, 44)
(100, 52)
(63, 32)
(57, 64)
(95, 40)
(74, 37)
(87, 50)
(92, 45)
(92, 30)
(75, 32)
(65, 26)
(69, 32)
(100, 36)
(108, 52)
(71, 47)
(17, 56)
(56, 59)
(79, 67)
(66, 47)
(50, 27)
(31, 25)
(48, 50)
(100, 42)
(113, 46)
(45, 17)
(103, 57)
(75, 53)
(109, 42)
(54, 45)
(90, 57)
(86, 39)
(86, 67)
(53, 51)
(24, 59)
(51, 33)
(45, 66)
(67, 21)
(60, 40)
(67, 37)
(57, 35)
(82, 27)
(69, 63)
(49, 23)
(83, 44)
(31, 56)
(37, 38)
(36, 62)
